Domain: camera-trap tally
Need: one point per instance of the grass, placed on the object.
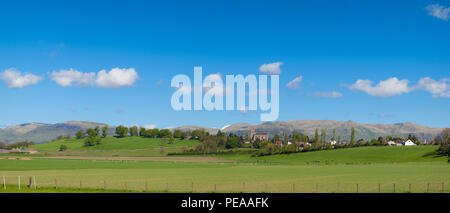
(357, 155)
(324, 171)
(112, 146)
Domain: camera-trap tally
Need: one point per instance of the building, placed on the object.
(261, 136)
(333, 142)
(391, 143)
(409, 143)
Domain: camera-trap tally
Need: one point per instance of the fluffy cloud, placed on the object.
(327, 94)
(15, 79)
(439, 11)
(438, 89)
(149, 126)
(387, 88)
(295, 83)
(115, 78)
(271, 69)
(71, 77)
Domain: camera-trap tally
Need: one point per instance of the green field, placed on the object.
(362, 169)
(112, 146)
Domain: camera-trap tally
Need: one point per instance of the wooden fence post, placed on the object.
(4, 182)
(379, 188)
(34, 181)
(29, 182)
(19, 182)
(56, 184)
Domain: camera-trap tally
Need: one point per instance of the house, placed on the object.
(333, 142)
(409, 143)
(4, 151)
(391, 143)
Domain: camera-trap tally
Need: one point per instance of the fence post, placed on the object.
(56, 184)
(4, 182)
(394, 187)
(19, 182)
(29, 182)
(34, 181)
(379, 188)
(428, 187)
(357, 188)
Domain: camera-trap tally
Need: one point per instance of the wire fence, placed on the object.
(36, 183)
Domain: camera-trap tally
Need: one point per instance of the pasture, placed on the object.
(363, 169)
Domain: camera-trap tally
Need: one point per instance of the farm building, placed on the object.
(391, 143)
(408, 143)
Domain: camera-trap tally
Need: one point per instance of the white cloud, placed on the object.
(71, 77)
(387, 88)
(271, 69)
(115, 78)
(295, 83)
(149, 126)
(332, 94)
(14, 79)
(438, 89)
(439, 11)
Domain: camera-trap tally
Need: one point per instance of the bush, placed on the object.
(62, 148)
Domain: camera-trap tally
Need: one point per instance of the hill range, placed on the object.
(40, 132)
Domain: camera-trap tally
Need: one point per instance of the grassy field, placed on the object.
(112, 146)
(362, 169)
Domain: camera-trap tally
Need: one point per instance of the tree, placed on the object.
(164, 133)
(444, 148)
(105, 130)
(92, 141)
(316, 136)
(142, 132)
(134, 131)
(97, 131)
(62, 148)
(79, 134)
(352, 136)
(339, 140)
(121, 131)
(334, 135)
(171, 139)
(92, 132)
(180, 134)
(152, 133)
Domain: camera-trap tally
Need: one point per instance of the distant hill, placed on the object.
(343, 128)
(40, 132)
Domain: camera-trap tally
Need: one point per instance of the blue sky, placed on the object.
(330, 44)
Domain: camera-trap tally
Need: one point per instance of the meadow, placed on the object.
(362, 169)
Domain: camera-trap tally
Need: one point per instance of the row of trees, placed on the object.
(17, 145)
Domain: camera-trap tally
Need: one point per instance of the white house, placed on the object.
(391, 143)
(408, 143)
(333, 142)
